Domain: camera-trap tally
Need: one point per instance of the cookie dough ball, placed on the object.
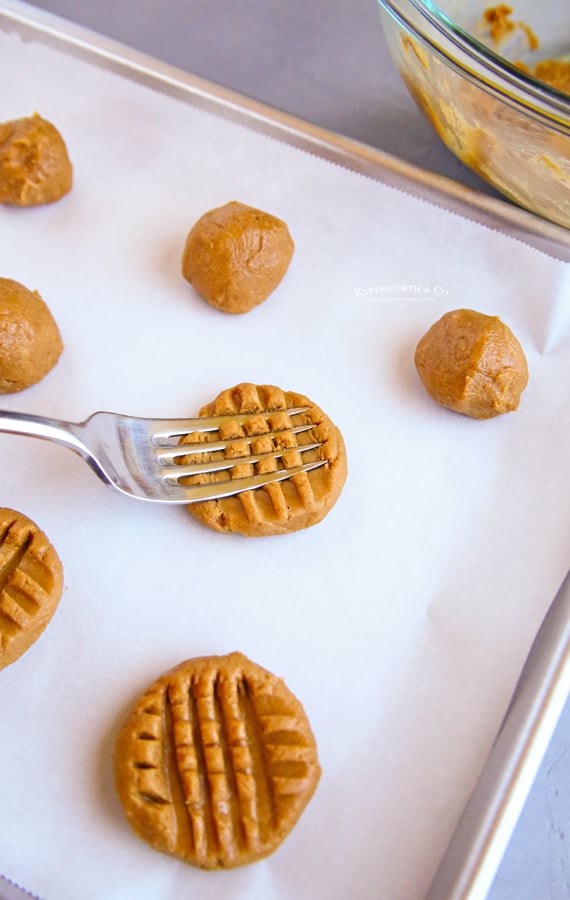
(235, 256)
(30, 342)
(283, 506)
(473, 364)
(31, 583)
(34, 163)
(216, 762)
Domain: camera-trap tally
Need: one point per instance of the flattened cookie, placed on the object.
(31, 582)
(284, 506)
(216, 762)
(34, 162)
(236, 255)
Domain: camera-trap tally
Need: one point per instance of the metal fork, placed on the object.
(138, 456)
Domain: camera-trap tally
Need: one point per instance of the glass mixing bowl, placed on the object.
(472, 69)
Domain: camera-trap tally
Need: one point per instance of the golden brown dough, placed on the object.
(284, 506)
(34, 162)
(216, 762)
(235, 256)
(31, 582)
(499, 25)
(473, 364)
(30, 342)
(554, 72)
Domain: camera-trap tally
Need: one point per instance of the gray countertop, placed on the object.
(328, 63)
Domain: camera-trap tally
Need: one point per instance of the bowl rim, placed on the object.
(479, 63)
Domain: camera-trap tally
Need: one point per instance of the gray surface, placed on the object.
(328, 64)
(325, 62)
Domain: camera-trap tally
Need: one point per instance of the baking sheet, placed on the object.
(472, 859)
(402, 621)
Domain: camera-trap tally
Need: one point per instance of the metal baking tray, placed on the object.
(257, 116)
(473, 857)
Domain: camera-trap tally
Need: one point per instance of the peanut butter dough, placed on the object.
(235, 256)
(31, 584)
(498, 25)
(30, 342)
(34, 163)
(279, 508)
(216, 762)
(554, 72)
(473, 364)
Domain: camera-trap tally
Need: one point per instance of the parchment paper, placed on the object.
(401, 621)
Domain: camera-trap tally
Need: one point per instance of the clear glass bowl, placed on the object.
(473, 76)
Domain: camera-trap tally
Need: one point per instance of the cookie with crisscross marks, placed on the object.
(31, 582)
(283, 506)
(216, 762)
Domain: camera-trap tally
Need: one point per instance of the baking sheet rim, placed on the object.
(474, 866)
(496, 213)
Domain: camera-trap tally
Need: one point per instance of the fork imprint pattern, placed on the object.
(149, 458)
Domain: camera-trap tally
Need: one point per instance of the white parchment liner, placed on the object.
(401, 621)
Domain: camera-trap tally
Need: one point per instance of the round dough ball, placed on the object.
(473, 364)
(34, 163)
(30, 342)
(281, 507)
(31, 584)
(216, 762)
(235, 256)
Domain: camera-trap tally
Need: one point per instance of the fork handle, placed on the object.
(55, 430)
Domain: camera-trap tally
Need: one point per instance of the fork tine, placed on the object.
(175, 428)
(165, 454)
(194, 493)
(180, 471)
